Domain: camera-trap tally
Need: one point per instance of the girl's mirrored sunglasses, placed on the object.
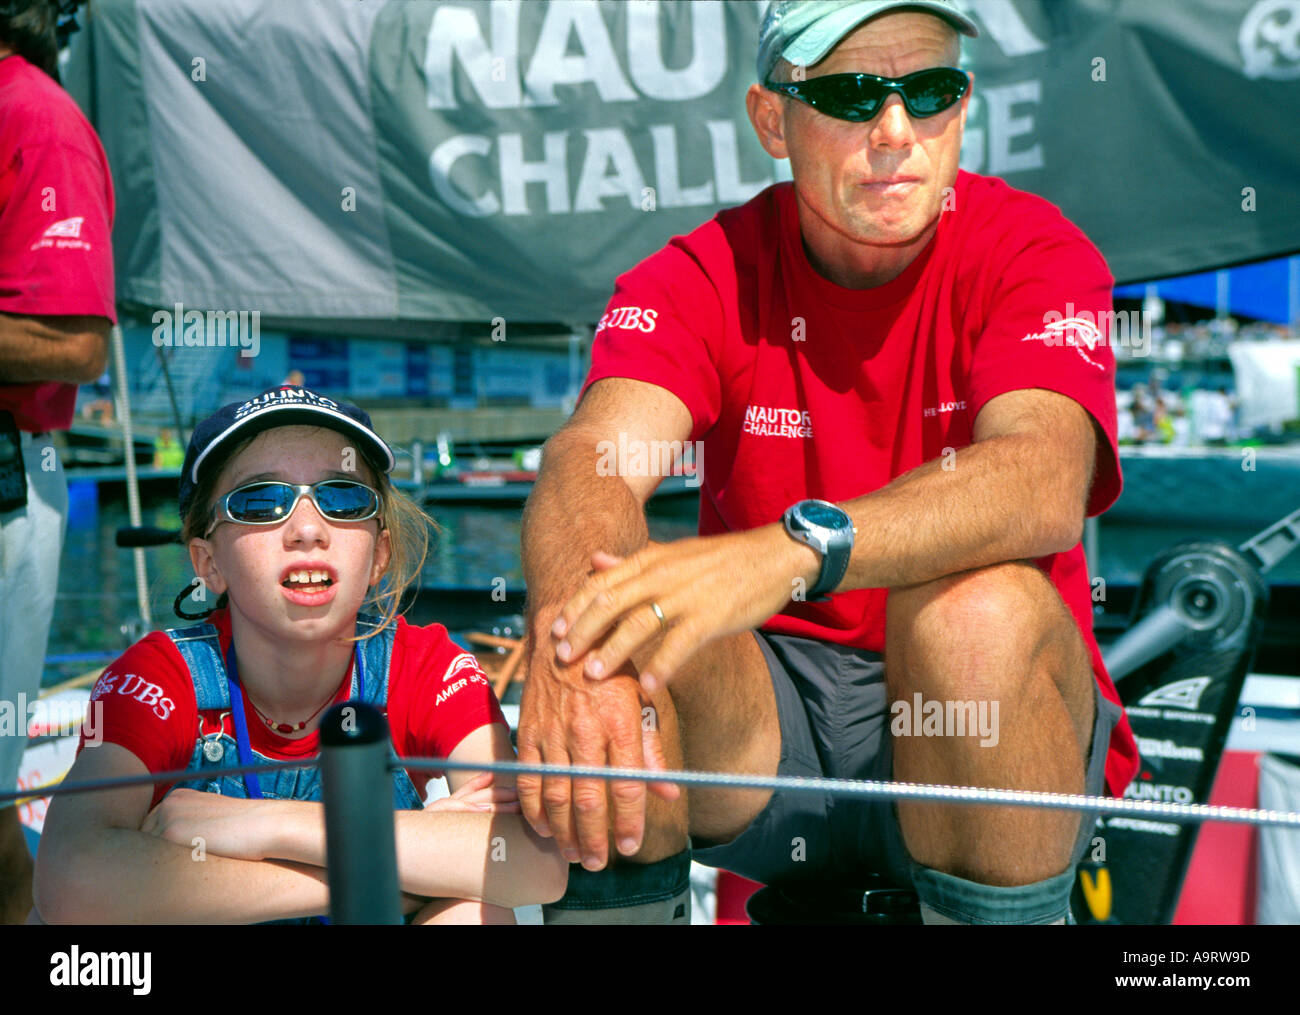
(859, 97)
(269, 503)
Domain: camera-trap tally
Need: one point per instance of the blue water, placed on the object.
(476, 546)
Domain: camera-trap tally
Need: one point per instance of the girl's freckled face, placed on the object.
(251, 560)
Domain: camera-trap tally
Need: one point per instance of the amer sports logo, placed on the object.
(464, 665)
(68, 228)
(1180, 694)
(64, 235)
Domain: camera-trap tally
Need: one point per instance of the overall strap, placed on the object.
(200, 647)
(376, 652)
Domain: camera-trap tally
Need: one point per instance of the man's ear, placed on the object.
(205, 565)
(383, 554)
(767, 115)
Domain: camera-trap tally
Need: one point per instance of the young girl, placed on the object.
(292, 524)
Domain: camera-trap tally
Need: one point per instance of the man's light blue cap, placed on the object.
(804, 31)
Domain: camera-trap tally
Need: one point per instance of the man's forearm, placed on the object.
(68, 349)
(571, 513)
(996, 502)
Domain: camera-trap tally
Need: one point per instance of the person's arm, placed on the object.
(73, 350)
(573, 512)
(96, 866)
(485, 857)
(1018, 492)
(482, 856)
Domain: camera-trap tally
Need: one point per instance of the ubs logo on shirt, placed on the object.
(768, 421)
(136, 687)
(630, 319)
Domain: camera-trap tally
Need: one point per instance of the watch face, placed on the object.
(828, 516)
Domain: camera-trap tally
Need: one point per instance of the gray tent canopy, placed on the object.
(469, 161)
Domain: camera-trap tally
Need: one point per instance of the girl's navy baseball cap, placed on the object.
(288, 406)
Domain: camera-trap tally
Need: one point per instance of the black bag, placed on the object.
(13, 475)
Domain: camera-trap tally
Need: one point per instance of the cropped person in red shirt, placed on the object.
(56, 307)
(903, 404)
(292, 522)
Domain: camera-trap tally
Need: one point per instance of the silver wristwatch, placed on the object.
(829, 531)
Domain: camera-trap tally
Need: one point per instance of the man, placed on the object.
(912, 344)
(56, 307)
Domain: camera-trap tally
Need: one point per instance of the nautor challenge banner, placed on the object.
(474, 159)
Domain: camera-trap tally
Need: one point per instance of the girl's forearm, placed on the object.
(120, 875)
(496, 859)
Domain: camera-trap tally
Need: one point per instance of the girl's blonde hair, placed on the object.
(407, 523)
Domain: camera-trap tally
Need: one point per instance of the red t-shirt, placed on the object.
(437, 695)
(800, 388)
(56, 213)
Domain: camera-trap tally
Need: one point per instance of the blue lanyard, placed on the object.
(242, 744)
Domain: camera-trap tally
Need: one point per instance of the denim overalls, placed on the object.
(200, 647)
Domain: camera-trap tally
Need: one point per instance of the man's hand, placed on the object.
(695, 583)
(479, 795)
(227, 826)
(568, 719)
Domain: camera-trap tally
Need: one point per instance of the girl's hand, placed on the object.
(210, 823)
(481, 796)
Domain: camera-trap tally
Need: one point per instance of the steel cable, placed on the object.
(1166, 811)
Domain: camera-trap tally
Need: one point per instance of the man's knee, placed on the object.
(1012, 606)
(989, 633)
(986, 598)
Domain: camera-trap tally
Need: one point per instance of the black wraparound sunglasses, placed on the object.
(859, 97)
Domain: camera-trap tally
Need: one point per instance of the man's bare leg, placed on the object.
(15, 869)
(995, 634)
(719, 714)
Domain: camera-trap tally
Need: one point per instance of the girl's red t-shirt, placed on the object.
(437, 695)
(800, 388)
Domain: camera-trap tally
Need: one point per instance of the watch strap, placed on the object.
(834, 564)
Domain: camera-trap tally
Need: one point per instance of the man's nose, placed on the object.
(893, 126)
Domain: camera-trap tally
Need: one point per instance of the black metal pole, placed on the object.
(360, 841)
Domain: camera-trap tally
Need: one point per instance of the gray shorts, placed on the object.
(833, 710)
